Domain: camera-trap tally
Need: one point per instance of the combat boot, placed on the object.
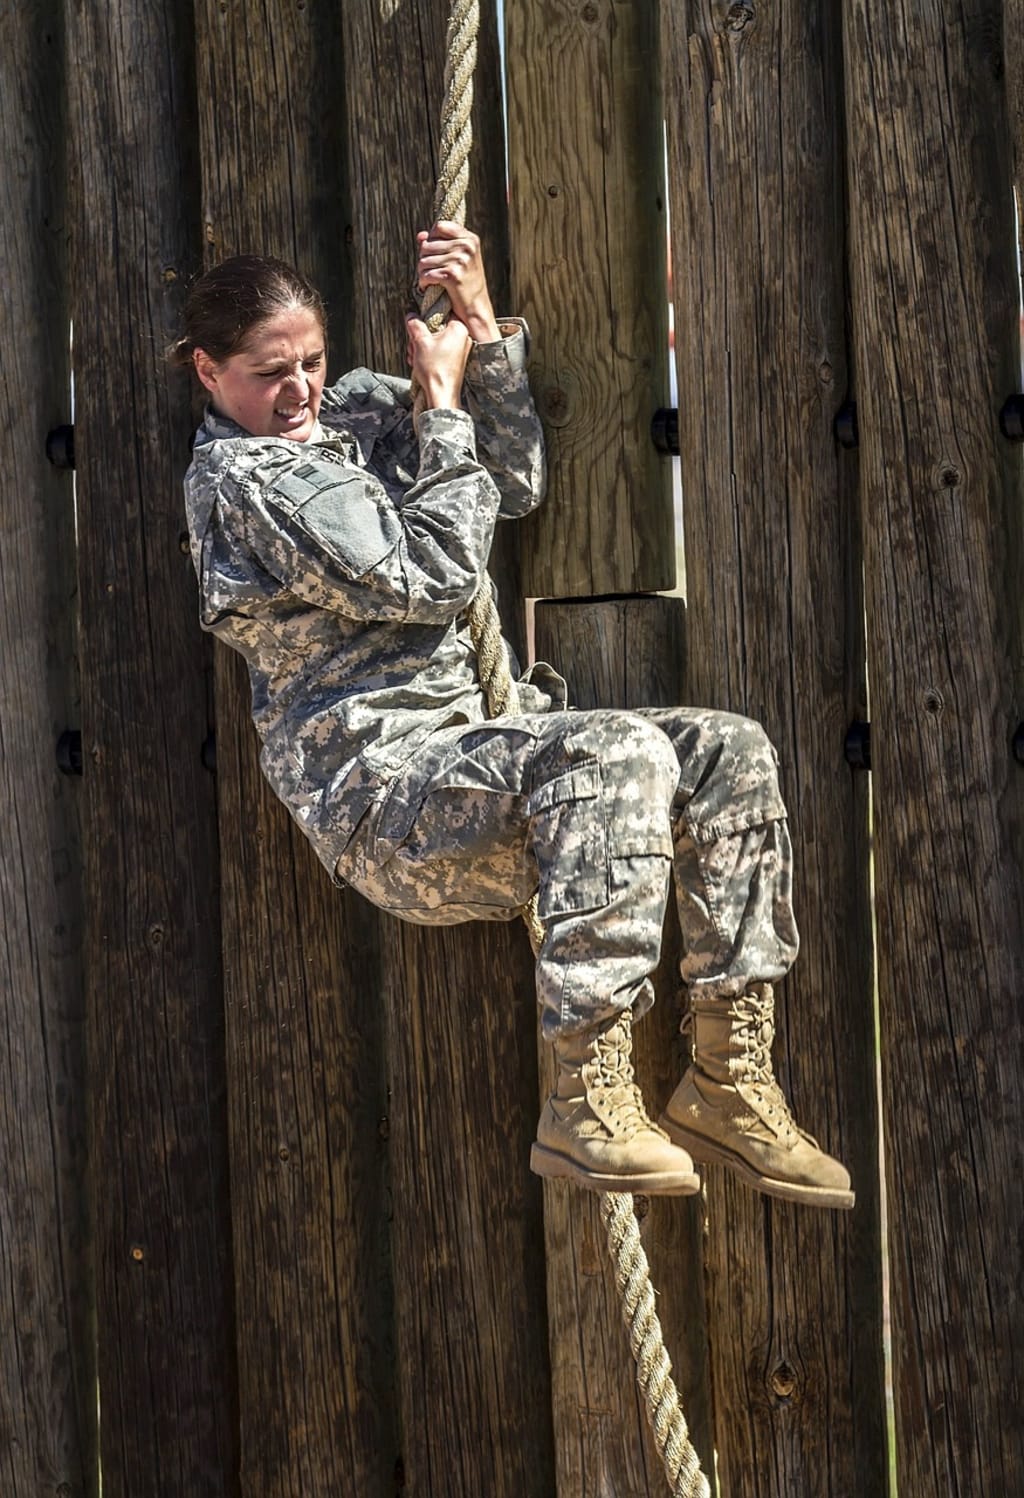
(730, 1109)
(594, 1128)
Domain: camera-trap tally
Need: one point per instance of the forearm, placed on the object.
(510, 439)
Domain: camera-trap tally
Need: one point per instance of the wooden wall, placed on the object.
(274, 1219)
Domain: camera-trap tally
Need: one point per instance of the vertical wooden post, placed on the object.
(935, 318)
(467, 1241)
(586, 185)
(47, 1362)
(304, 1031)
(589, 268)
(159, 1165)
(755, 167)
(623, 653)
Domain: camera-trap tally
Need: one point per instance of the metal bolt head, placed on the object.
(69, 752)
(60, 446)
(857, 746)
(1011, 418)
(844, 426)
(665, 430)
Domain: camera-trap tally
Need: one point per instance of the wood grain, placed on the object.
(47, 1366)
(304, 1029)
(935, 304)
(756, 182)
(587, 211)
(625, 653)
(159, 1161)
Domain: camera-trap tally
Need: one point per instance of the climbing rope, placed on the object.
(632, 1272)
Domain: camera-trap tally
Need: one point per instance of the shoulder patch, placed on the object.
(340, 514)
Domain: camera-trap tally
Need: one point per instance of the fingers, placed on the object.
(426, 350)
(448, 252)
(449, 255)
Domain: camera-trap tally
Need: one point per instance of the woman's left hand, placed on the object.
(449, 256)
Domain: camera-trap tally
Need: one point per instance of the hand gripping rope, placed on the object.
(632, 1272)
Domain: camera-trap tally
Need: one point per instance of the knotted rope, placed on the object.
(632, 1272)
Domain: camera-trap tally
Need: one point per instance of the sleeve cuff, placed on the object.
(507, 355)
(446, 437)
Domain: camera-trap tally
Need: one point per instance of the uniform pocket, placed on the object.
(570, 841)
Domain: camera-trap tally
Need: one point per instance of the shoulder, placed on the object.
(361, 389)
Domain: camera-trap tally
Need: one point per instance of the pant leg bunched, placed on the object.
(602, 837)
(601, 834)
(734, 876)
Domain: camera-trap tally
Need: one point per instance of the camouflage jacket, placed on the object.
(340, 569)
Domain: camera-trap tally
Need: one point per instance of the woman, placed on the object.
(337, 547)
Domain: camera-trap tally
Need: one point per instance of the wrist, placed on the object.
(441, 395)
(480, 322)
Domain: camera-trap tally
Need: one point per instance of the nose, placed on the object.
(297, 384)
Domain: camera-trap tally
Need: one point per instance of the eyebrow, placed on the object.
(278, 363)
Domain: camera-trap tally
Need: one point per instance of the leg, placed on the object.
(576, 806)
(733, 876)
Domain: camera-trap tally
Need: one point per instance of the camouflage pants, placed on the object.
(591, 810)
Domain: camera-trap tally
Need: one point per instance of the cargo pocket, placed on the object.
(570, 841)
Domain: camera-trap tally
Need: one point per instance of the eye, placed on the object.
(312, 364)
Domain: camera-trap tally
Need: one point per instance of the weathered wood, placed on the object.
(159, 1166)
(47, 1369)
(306, 1078)
(626, 653)
(587, 211)
(467, 1241)
(755, 173)
(935, 306)
(467, 1233)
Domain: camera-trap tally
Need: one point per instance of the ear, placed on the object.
(206, 369)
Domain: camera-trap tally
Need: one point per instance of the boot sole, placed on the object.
(552, 1166)
(787, 1191)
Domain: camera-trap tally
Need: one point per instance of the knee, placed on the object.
(636, 757)
(731, 781)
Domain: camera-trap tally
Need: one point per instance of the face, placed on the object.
(272, 386)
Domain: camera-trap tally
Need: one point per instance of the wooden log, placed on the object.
(304, 1029)
(755, 172)
(158, 1138)
(587, 210)
(467, 1241)
(935, 307)
(626, 653)
(47, 1365)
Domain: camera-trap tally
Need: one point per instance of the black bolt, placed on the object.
(665, 430)
(60, 446)
(1011, 418)
(1018, 743)
(857, 746)
(69, 752)
(208, 753)
(845, 425)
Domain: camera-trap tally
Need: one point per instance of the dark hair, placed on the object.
(225, 304)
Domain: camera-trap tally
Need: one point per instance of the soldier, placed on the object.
(337, 548)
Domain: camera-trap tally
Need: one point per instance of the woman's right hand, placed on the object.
(438, 362)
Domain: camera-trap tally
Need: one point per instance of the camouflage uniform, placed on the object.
(340, 568)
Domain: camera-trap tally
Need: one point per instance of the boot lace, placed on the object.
(616, 1079)
(753, 1070)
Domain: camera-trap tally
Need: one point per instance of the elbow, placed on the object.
(440, 600)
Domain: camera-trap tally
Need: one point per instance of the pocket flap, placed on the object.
(580, 783)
